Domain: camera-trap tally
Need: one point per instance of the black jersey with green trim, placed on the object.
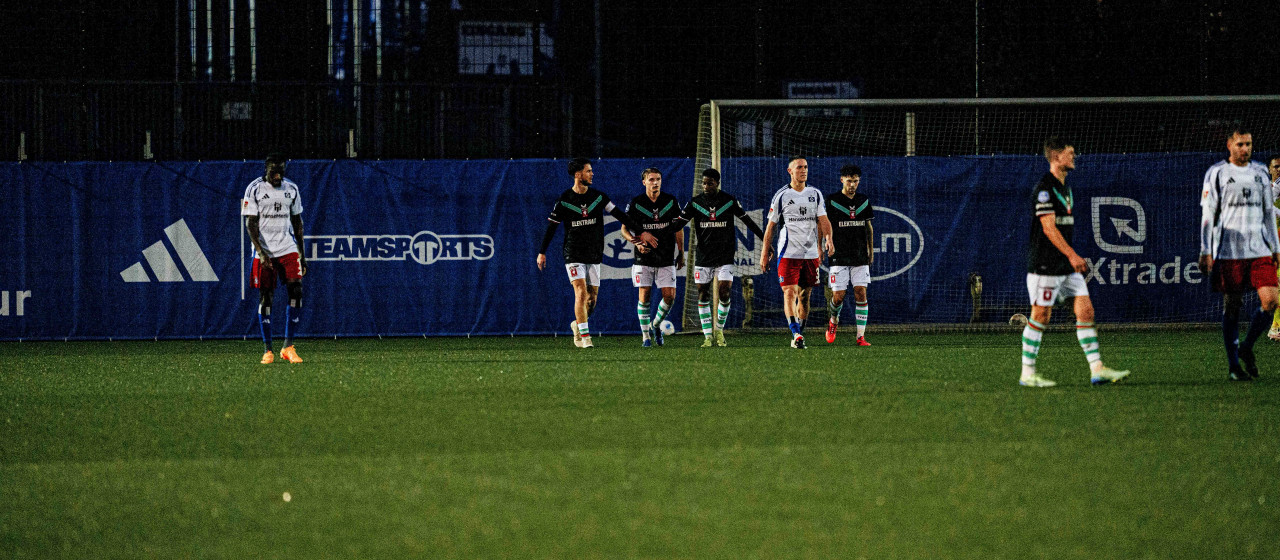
(583, 219)
(712, 218)
(850, 224)
(653, 216)
(1050, 197)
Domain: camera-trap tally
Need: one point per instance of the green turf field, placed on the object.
(922, 446)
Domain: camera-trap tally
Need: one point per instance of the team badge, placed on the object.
(584, 212)
(853, 214)
(1247, 192)
(713, 215)
(1043, 196)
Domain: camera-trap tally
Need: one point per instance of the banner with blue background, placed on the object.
(98, 250)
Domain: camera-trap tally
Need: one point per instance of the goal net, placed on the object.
(950, 182)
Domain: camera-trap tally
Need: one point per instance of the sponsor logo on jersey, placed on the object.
(163, 266)
(424, 248)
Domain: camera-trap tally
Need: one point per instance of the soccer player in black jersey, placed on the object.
(850, 214)
(655, 211)
(1054, 269)
(712, 216)
(582, 210)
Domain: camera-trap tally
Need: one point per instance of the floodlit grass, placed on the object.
(920, 446)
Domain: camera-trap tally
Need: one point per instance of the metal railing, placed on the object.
(62, 120)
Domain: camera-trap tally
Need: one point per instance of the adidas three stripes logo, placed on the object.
(162, 263)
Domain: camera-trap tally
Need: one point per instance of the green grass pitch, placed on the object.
(922, 446)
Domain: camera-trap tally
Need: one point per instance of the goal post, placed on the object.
(950, 181)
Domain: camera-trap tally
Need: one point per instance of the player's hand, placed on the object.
(764, 260)
(648, 239)
(302, 266)
(542, 261)
(1275, 259)
(679, 261)
(262, 256)
(1206, 263)
(831, 247)
(1078, 263)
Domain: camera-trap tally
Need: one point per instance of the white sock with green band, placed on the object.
(722, 314)
(642, 311)
(1031, 335)
(704, 313)
(860, 314)
(663, 309)
(835, 313)
(1088, 337)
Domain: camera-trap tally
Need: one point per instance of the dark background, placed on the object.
(661, 59)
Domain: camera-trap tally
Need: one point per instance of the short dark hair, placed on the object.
(1055, 143)
(850, 171)
(578, 164)
(649, 170)
(1238, 130)
(276, 157)
(1274, 157)
(711, 172)
(793, 160)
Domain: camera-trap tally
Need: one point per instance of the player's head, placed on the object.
(710, 180)
(580, 170)
(850, 177)
(652, 180)
(1240, 146)
(1060, 153)
(798, 168)
(275, 163)
(1273, 166)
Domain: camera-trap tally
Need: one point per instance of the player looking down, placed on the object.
(655, 211)
(272, 209)
(712, 216)
(850, 214)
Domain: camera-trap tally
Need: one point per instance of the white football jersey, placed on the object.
(796, 214)
(1237, 212)
(274, 208)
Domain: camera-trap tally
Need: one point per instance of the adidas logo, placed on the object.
(163, 265)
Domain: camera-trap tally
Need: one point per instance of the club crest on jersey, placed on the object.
(1043, 196)
(584, 212)
(712, 215)
(1247, 192)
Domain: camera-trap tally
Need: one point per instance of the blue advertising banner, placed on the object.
(98, 250)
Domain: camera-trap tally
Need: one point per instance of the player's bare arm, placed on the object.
(824, 231)
(634, 240)
(296, 220)
(251, 226)
(871, 243)
(1054, 236)
(767, 245)
(679, 249)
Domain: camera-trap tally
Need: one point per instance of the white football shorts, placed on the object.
(840, 278)
(645, 276)
(703, 274)
(1048, 290)
(579, 271)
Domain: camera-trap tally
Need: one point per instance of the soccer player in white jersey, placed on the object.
(1054, 269)
(272, 209)
(1239, 247)
(800, 211)
(1273, 167)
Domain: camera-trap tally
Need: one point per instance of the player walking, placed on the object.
(1273, 167)
(582, 210)
(1053, 269)
(801, 213)
(1239, 247)
(655, 211)
(851, 264)
(712, 215)
(272, 209)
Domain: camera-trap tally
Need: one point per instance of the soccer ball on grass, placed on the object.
(667, 328)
